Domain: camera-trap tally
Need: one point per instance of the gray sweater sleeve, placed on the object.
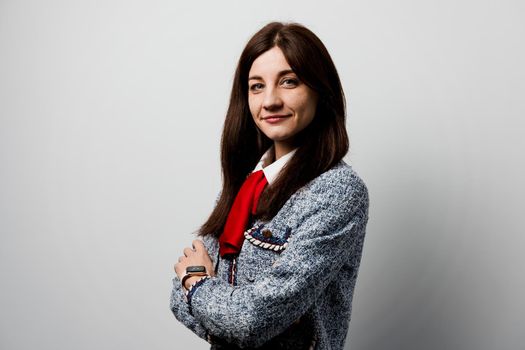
(180, 309)
(178, 304)
(330, 234)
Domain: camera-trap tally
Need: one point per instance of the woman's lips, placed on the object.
(275, 119)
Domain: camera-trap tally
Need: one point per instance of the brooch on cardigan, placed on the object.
(265, 239)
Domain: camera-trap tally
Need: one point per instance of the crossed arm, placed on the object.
(330, 235)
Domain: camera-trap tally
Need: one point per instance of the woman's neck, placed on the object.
(282, 148)
(270, 159)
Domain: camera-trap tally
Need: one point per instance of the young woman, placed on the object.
(279, 256)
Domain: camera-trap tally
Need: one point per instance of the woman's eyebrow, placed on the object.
(281, 73)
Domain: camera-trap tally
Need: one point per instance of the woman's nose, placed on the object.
(272, 100)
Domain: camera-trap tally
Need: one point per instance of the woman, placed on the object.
(281, 250)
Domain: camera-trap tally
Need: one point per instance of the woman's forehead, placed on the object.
(271, 62)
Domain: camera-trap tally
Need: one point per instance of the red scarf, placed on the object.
(245, 203)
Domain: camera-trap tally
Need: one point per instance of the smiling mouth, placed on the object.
(275, 118)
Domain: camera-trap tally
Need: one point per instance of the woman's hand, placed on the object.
(194, 257)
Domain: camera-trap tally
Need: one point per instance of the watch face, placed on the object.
(191, 269)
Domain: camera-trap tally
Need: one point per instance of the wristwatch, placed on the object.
(193, 271)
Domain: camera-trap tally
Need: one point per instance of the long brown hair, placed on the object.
(321, 145)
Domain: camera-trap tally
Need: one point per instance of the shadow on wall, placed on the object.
(419, 286)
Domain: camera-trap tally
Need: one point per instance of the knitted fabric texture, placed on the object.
(294, 276)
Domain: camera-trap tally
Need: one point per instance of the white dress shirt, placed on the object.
(271, 171)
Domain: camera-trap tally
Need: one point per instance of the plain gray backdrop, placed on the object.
(110, 121)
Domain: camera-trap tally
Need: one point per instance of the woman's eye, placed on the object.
(255, 87)
(290, 82)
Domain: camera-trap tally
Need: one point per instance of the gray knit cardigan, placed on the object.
(291, 286)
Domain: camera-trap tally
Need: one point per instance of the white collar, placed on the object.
(271, 171)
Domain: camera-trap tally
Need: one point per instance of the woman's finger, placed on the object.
(198, 244)
(188, 251)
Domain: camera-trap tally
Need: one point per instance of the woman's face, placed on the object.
(281, 105)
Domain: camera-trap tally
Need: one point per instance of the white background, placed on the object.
(110, 120)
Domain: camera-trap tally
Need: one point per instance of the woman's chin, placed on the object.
(278, 137)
